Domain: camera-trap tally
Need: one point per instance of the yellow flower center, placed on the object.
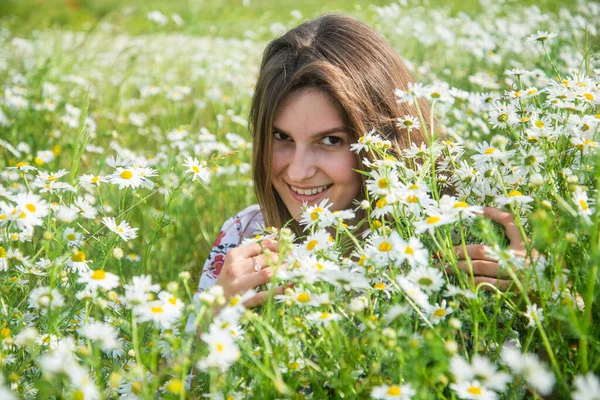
(71, 236)
(21, 164)
(491, 150)
(411, 198)
(381, 203)
(173, 300)
(175, 386)
(540, 124)
(78, 257)
(195, 169)
(234, 301)
(514, 193)
(432, 220)
(589, 96)
(409, 250)
(413, 187)
(382, 183)
(99, 275)
(583, 204)
(126, 174)
(460, 204)
(157, 310)
(474, 390)
(304, 297)
(30, 207)
(137, 387)
(379, 286)
(440, 312)
(361, 260)
(324, 315)
(95, 179)
(385, 246)
(394, 390)
(294, 365)
(311, 245)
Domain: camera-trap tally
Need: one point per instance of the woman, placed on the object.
(321, 86)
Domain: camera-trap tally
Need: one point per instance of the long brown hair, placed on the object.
(349, 61)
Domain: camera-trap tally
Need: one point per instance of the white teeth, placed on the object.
(309, 192)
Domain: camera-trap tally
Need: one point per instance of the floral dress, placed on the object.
(237, 228)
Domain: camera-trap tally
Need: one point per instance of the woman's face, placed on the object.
(312, 160)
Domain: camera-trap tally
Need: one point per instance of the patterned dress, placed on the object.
(237, 228)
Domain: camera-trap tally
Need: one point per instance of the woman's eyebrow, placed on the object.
(322, 133)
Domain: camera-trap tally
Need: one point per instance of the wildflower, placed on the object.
(529, 366)
(223, 351)
(323, 317)
(482, 369)
(414, 292)
(534, 315)
(587, 387)
(91, 180)
(408, 122)
(393, 392)
(514, 196)
(541, 36)
(30, 210)
(44, 297)
(3, 259)
(158, 313)
(197, 169)
(473, 390)
(320, 240)
(99, 279)
(128, 177)
(439, 312)
(73, 238)
(78, 262)
(580, 198)
(124, 231)
(139, 289)
(434, 219)
(429, 279)
(312, 215)
(503, 116)
(101, 333)
(382, 182)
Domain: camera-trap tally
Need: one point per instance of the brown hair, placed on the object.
(349, 61)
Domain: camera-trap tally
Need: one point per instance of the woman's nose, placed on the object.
(302, 166)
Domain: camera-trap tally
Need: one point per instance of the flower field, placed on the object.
(124, 147)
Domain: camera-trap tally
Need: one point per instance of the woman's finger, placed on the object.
(474, 251)
(253, 249)
(483, 268)
(501, 284)
(261, 297)
(508, 221)
(256, 263)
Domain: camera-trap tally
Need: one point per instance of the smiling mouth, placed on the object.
(311, 191)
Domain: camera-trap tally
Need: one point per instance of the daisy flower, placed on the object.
(73, 238)
(473, 390)
(312, 215)
(393, 392)
(439, 312)
(155, 311)
(434, 219)
(124, 231)
(382, 182)
(531, 368)
(320, 240)
(103, 334)
(91, 180)
(541, 36)
(514, 196)
(323, 318)
(197, 169)
(481, 369)
(78, 262)
(580, 198)
(414, 292)
(223, 351)
(126, 177)
(99, 279)
(534, 314)
(408, 122)
(44, 297)
(587, 387)
(429, 279)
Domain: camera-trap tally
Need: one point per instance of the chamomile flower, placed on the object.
(429, 279)
(99, 279)
(473, 390)
(434, 218)
(482, 369)
(78, 262)
(158, 313)
(73, 238)
(91, 180)
(534, 315)
(393, 392)
(414, 292)
(126, 177)
(408, 122)
(103, 334)
(45, 297)
(587, 387)
(382, 182)
(513, 197)
(313, 215)
(439, 312)
(541, 36)
(197, 169)
(223, 351)
(531, 368)
(323, 318)
(320, 240)
(123, 230)
(580, 198)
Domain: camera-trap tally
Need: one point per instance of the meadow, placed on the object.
(124, 147)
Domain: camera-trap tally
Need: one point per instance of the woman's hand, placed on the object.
(245, 268)
(485, 267)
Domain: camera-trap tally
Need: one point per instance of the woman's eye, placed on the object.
(331, 140)
(281, 136)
